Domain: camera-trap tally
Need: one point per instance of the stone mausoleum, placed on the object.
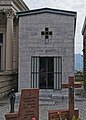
(38, 44)
(84, 52)
(46, 48)
(9, 43)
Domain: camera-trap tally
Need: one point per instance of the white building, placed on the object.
(46, 48)
(9, 44)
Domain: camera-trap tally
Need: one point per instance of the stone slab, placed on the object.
(11, 116)
(60, 114)
(29, 104)
(56, 114)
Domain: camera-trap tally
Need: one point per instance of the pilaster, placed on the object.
(9, 40)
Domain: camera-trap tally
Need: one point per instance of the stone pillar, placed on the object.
(9, 40)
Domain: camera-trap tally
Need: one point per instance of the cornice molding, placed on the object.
(84, 27)
(21, 5)
(16, 5)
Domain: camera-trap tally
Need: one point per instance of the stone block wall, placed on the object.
(8, 80)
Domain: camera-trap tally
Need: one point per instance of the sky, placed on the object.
(78, 6)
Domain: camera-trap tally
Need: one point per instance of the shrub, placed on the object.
(73, 118)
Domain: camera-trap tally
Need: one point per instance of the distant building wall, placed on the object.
(9, 44)
(84, 52)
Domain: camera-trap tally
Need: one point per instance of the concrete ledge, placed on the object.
(3, 73)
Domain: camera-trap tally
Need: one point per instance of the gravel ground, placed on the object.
(56, 104)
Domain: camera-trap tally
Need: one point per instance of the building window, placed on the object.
(1, 37)
(46, 72)
(1, 51)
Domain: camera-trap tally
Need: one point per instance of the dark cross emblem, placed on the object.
(46, 33)
(71, 87)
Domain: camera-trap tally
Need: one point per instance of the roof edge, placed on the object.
(22, 6)
(48, 10)
(84, 26)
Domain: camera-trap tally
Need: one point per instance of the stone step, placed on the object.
(46, 102)
(47, 95)
(49, 99)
